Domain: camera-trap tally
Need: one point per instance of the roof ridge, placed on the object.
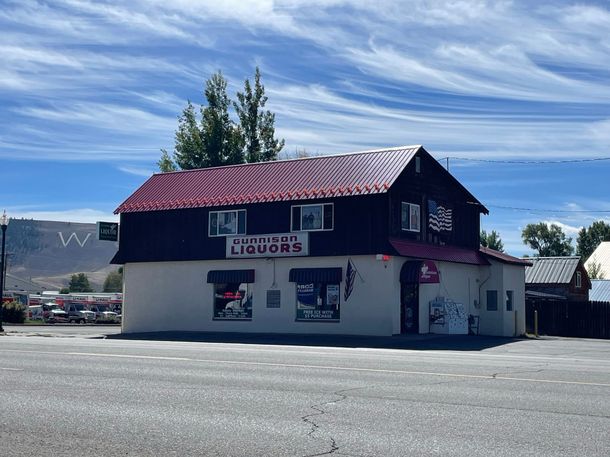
(328, 156)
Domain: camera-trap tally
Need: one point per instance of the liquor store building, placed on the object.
(372, 243)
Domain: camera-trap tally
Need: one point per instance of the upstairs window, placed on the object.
(223, 223)
(410, 216)
(312, 217)
(578, 279)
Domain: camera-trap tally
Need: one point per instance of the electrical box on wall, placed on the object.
(273, 298)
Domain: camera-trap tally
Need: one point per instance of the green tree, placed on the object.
(165, 163)
(215, 139)
(114, 281)
(589, 238)
(594, 270)
(492, 240)
(257, 124)
(548, 240)
(222, 139)
(79, 283)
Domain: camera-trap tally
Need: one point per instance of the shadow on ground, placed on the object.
(419, 342)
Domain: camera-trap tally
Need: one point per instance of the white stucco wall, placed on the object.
(165, 296)
(458, 282)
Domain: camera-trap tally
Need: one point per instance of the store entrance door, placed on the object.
(409, 308)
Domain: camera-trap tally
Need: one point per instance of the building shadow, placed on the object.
(406, 342)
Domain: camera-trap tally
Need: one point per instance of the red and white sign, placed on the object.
(271, 245)
(428, 273)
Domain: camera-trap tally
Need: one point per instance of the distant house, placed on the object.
(557, 278)
(601, 257)
(600, 290)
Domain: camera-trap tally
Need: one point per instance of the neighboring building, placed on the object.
(601, 258)
(600, 290)
(373, 243)
(557, 278)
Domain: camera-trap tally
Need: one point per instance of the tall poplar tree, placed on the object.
(257, 124)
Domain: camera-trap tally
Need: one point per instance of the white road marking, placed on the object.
(11, 369)
(321, 367)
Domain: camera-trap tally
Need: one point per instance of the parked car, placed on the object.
(103, 315)
(78, 313)
(57, 316)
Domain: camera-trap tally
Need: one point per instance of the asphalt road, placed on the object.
(108, 397)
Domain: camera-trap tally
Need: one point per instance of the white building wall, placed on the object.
(458, 282)
(165, 296)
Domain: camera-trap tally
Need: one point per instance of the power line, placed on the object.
(592, 159)
(540, 210)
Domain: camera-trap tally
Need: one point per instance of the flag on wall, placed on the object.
(439, 217)
(350, 274)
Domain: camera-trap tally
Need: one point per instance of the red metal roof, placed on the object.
(444, 253)
(364, 173)
(503, 257)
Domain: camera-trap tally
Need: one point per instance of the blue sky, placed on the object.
(91, 90)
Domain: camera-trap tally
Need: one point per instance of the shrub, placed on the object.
(13, 312)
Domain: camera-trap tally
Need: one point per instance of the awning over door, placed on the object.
(419, 272)
(230, 276)
(330, 275)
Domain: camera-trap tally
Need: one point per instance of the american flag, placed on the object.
(350, 274)
(439, 217)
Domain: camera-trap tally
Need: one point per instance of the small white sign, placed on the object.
(269, 245)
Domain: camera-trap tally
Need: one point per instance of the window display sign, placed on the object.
(317, 302)
(232, 301)
(272, 245)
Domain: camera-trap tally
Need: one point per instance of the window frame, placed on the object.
(218, 212)
(409, 205)
(578, 279)
(323, 229)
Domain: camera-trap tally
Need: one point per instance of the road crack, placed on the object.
(310, 419)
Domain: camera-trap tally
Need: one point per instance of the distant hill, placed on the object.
(49, 252)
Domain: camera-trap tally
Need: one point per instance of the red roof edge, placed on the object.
(502, 257)
(453, 254)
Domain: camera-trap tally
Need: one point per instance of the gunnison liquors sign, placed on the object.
(270, 245)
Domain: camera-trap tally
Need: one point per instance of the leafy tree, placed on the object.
(589, 238)
(257, 125)
(165, 163)
(595, 271)
(79, 283)
(548, 240)
(492, 240)
(215, 139)
(64, 290)
(114, 281)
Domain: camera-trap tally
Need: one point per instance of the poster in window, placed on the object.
(227, 224)
(414, 217)
(317, 302)
(233, 301)
(311, 217)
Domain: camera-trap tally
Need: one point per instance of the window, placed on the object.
(417, 164)
(312, 217)
(509, 300)
(410, 217)
(492, 300)
(224, 223)
(233, 301)
(578, 279)
(317, 301)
